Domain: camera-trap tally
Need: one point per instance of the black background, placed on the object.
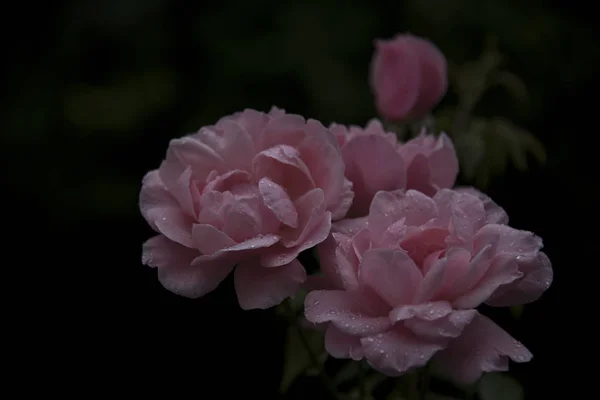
(103, 323)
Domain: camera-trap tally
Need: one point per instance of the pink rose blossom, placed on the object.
(409, 76)
(254, 190)
(404, 284)
(376, 161)
(372, 161)
(431, 163)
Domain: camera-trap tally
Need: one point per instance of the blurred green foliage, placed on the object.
(109, 76)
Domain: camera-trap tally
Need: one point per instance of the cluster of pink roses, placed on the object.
(405, 258)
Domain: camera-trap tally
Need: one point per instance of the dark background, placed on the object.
(94, 90)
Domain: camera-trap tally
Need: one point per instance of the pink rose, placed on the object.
(254, 190)
(372, 161)
(431, 163)
(409, 76)
(404, 284)
(376, 161)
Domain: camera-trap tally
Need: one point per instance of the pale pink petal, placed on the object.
(443, 328)
(353, 313)
(349, 226)
(395, 79)
(208, 239)
(185, 192)
(494, 213)
(335, 266)
(537, 278)
(321, 153)
(282, 164)
(176, 272)
(344, 201)
(162, 211)
(242, 226)
(503, 270)
(389, 207)
(277, 200)
(397, 351)
(227, 181)
(424, 311)
(253, 244)
(418, 175)
(482, 347)
(433, 74)
(342, 345)
(443, 163)
(258, 287)
(372, 164)
(464, 272)
(315, 223)
(424, 242)
(190, 151)
(507, 240)
(341, 133)
(438, 282)
(239, 251)
(228, 139)
(391, 274)
(254, 123)
(288, 129)
(468, 215)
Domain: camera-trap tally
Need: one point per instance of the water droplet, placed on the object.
(370, 340)
(316, 303)
(422, 356)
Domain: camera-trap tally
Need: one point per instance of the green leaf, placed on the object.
(497, 386)
(520, 142)
(517, 311)
(471, 148)
(297, 360)
(512, 84)
(296, 303)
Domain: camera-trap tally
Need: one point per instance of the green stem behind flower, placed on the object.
(314, 359)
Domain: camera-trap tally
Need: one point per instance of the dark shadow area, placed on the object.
(94, 91)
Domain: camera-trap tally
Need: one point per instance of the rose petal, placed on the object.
(418, 175)
(397, 351)
(394, 78)
(277, 200)
(352, 313)
(391, 274)
(335, 266)
(349, 226)
(482, 347)
(507, 240)
(209, 239)
(258, 287)
(537, 278)
(162, 211)
(389, 207)
(342, 345)
(443, 163)
(425, 311)
(282, 164)
(372, 164)
(494, 213)
(316, 225)
(443, 328)
(176, 272)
